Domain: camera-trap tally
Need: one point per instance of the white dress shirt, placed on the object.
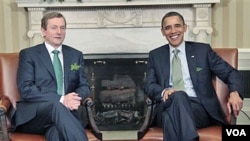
(60, 55)
(189, 89)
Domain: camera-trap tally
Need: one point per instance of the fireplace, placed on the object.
(117, 90)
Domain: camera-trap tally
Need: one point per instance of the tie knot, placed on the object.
(176, 51)
(55, 52)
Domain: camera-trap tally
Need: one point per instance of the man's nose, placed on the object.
(59, 30)
(173, 30)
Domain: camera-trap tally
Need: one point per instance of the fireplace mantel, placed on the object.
(103, 3)
(120, 26)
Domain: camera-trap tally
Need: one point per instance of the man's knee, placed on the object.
(179, 95)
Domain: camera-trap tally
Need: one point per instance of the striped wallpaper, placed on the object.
(231, 24)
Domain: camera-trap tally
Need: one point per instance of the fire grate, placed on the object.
(117, 90)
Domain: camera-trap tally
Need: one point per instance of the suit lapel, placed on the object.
(191, 61)
(165, 65)
(66, 65)
(45, 59)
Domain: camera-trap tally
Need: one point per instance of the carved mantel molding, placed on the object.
(109, 26)
(102, 3)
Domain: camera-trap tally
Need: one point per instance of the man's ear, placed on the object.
(185, 27)
(43, 32)
(162, 32)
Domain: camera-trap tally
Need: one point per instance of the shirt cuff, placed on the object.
(61, 99)
(162, 93)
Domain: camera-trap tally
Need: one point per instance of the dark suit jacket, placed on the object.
(37, 83)
(198, 55)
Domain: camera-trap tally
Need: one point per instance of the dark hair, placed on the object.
(171, 14)
(51, 15)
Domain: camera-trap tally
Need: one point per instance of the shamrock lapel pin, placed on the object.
(198, 69)
(74, 67)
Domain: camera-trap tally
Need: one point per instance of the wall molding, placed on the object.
(243, 59)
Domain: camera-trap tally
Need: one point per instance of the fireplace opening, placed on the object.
(117, 90)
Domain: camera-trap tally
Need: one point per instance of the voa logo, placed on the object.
(236, 132)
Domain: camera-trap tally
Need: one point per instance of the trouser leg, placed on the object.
(55, 118)
(69, 127)
(52, 134)
(178, 118)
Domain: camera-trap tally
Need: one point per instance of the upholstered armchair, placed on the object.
(212, 133)
(9, 95)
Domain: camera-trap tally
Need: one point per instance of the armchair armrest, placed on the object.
(148, 118)
(88, 102)
(233, 120)
(3, 123)
(5, 104)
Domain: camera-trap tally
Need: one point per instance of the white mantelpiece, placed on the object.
(101, 3)
(112, 26)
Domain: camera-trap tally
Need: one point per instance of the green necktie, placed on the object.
(177, 78)
(58, 71)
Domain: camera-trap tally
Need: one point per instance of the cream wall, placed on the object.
(13, 27)
(230, 22)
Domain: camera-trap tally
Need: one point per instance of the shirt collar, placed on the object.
(181, 47)
(51, 48)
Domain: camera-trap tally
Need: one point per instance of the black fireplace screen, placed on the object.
(117, 91)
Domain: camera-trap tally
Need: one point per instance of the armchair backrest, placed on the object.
(230, 55)
(8, 72)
